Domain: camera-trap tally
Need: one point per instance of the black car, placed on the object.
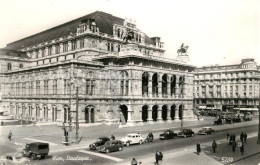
(168, 134)
(186, 133)
(100, 141)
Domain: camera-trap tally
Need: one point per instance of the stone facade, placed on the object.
(117, 80)
(231, 87)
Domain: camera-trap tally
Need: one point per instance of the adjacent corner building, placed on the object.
(228, 87)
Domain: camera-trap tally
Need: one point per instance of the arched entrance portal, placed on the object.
(124, 111)
(173, 111)
(180, 111)
(145, 113)
(164, 112)
(154, 112)
(90, 114)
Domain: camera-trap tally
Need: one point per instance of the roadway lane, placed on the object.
(144, 150)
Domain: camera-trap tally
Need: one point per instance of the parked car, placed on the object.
(112, 145)
(168, 134)
(100, 141)
(8, 160)
(219, 121)
(133, 138)
(206, 131)
(33, 150)
(186, 133)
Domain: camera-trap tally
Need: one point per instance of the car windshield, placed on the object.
(129, 136)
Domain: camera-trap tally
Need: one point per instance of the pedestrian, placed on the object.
(245, 136)
(242, 149)
(230, 139)
(228, 135)
(158, 157)
(198, 148)
(133, 162)
(112, 137)
(10, 135)
(214, 146)
(234, 145)
(242, 136)
(157, 154)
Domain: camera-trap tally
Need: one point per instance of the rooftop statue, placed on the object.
(183, 49)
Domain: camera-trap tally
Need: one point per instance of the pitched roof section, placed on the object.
(13, 53)
(103, 20)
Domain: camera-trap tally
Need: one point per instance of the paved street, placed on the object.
(172, 149)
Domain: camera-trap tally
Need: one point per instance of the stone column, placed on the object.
(159, 85)
(169, 85)
(149, 119)
(159, 113)
(46, 51)
(69, 46)
(61, 47)
(150, 85)
(176, 118)
(169, 115)
(177, 88)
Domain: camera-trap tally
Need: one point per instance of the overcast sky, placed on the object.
(217, 31)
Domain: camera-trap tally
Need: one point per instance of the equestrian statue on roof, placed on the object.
(183, 49)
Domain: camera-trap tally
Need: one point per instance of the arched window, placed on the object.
(21, 66)
(9, 66)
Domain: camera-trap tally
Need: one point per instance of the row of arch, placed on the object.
(169, 84)
(166, 113)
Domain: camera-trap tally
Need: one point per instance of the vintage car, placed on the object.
(112, 145)
(168, 134)
(33, 150)
(185, 133)
(132, 138)
(206, 131)
(100, 141)
(11, 159)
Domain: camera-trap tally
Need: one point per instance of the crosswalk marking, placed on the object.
(36, 140)
(101, 155)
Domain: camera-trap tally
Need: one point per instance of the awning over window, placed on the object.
(202, 107)
(248, 109)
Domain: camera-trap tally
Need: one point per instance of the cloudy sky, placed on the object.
(217, 31)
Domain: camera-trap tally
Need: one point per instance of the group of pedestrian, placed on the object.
(158, 159)
(243, 137)
(241, 144)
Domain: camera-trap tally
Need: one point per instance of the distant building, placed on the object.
(121, 73)
(228, 87)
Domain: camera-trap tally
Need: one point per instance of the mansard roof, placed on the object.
(13, 53)
(103, 20)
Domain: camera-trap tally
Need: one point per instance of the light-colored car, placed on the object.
(132, 138)
(9, 160)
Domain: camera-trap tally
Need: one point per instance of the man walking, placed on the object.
(228, 135)
(10, 135)
(214, 146)
(198, 148)
(234, 145)
(242, 136)
(242, 149)
(158, 157)
(245, 136)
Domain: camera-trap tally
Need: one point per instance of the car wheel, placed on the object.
(33, 156)
(107, 151)
(192, 134)
(140, 142)
(120, 149)
(128, 144)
